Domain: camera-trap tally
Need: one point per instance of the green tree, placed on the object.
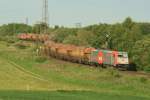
(86, 37)
(130, 38)
(62, 33)
(14, 28)
(72, 39)
(128, 23)
(40, 28)
(141, 53)
(99, 34)
(145, 28)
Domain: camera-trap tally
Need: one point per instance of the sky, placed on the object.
(70, 12)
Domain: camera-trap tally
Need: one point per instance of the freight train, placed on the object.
(33, 37)
(79, 54)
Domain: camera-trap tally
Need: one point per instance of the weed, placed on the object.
(40, 59)
(21, 46)
(143, 79)
(114, 73)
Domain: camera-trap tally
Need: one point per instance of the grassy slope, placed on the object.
(13, 77)
(20, 71)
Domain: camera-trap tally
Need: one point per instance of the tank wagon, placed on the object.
(86, 55)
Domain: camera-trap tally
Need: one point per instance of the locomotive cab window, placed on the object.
(120, 56)
(123, 55)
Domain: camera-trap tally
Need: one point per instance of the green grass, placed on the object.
(20, 71)
(63, 95)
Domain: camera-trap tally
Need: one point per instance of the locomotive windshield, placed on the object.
(123, 55)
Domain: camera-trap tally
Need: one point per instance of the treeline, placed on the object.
(129, 36)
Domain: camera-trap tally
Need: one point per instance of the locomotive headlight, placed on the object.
(100, 58)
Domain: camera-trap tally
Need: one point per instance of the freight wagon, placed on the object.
(33, 37)
(86, 55)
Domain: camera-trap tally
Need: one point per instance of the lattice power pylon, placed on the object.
(45, 14)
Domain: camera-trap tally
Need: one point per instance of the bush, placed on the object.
(147, 69)
(8, 39)
(40, 59)
(21, 46)
(1, 39)
(143, 79)
(114, 73)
